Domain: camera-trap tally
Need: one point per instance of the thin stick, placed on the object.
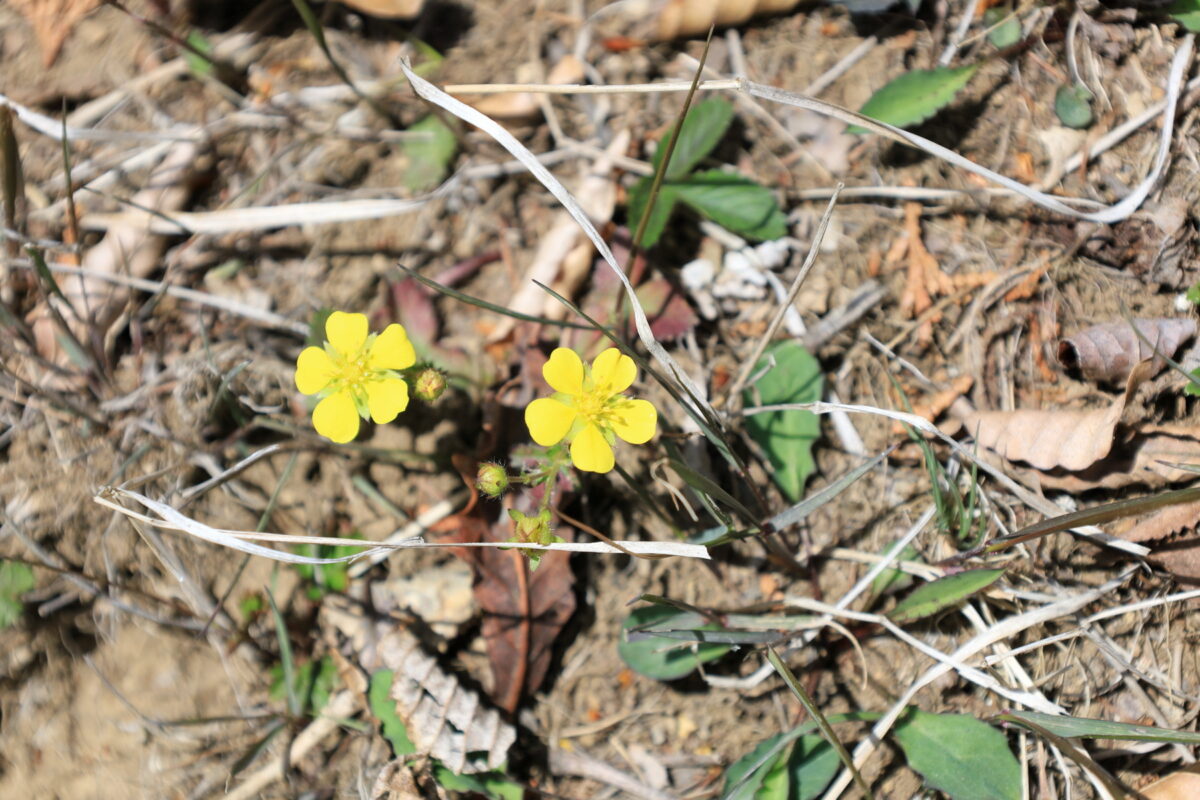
(735, 393)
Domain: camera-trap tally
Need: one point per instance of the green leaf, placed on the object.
(664, 659)
(915, 96)
(489, 784)
(959, 755)
(639, 196)
(734, 202)
(1073, 106)
(1193, 387)
(760, 763)
(934, 596)
(1084, 728)
(894, 579)
(198, 66)
(1186, 13)
(703, 130)
(800, 771)
(383, 707)
(1193, 294)
(787, 436)
(1007, 31)
(428, 154)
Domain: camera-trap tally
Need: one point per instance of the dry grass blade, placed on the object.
(170, 519)
(464, 112)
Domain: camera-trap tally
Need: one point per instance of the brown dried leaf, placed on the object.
(1055, 438)
(53, 20)
(1108, 352)
(1182, 785)
(387, 9)
(523, 611)
(1146, 459)
(444, 719)
(693, 17)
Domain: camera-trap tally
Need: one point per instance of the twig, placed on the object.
(735, 392)
(341, 706)
(960, 31)
(1004, 629)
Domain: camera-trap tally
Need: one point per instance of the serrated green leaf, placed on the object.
(734, 202)
(661, 658)
(660, 215)
(915, 96)
(1073, 106)
(959, 755)
(703, 129)
(1186, 13)
(383, 707)
(787, 436)
(1007, 31)
(428, 154)
(1084, 728)
(932, 597)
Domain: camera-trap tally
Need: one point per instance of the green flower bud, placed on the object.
(430, 384)
(491, 479)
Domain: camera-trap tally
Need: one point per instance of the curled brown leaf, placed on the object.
(1108, 352)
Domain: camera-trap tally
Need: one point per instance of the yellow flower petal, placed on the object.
(386, 399)
(346, 332)
(612, 372)
(635, 421)
(336, 417)
(548, 420)
(392, 350)
(591, 452)
(314, 370)
(564, 371)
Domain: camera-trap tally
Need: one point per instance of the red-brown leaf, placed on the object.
(523, 611)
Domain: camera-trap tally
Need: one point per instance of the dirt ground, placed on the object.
(141, 665)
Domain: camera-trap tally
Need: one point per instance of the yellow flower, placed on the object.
(355, 375)
(589, 409)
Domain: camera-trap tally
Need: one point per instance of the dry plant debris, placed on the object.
(223, 196)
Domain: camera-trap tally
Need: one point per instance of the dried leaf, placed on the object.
(396, 782)
(693, 17)
(1055, 438)
(523, 105)
(412, 305)
(670, 314)
(387, 9)
(1145, 459)
(443, 718)
(53, 20)
(523, 611)
(1108, 352)
(597, 193)
(1182, 785)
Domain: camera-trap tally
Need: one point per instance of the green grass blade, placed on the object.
(822, 723)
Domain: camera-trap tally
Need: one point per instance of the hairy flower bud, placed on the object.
(430, 384)
(491, 479)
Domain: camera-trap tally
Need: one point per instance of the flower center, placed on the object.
(353, 373)
(593, 406)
